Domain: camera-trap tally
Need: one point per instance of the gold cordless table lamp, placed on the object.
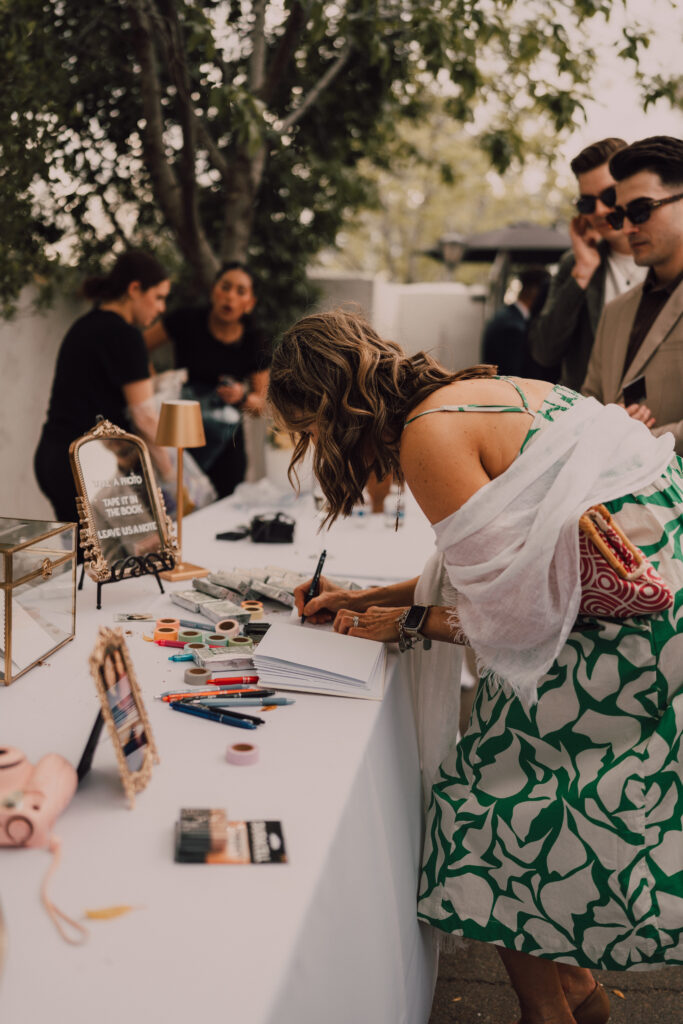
(180, 426)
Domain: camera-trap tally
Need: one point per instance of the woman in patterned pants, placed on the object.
(554, 828)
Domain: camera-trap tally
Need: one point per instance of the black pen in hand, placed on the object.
(315, 583)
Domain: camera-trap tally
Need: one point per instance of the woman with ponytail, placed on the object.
(102, 369)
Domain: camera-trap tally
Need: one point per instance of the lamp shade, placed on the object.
(180, 425)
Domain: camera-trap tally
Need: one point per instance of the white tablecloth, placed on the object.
(330, 936)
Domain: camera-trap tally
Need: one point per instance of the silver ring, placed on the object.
(356, 622)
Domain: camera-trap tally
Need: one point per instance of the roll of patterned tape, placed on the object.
(197, 676)
(245, 642)
(217, 640)
(230, 627)
(242, 753)
(171, 623)
(165, 633)
(189, 636)
(255, 609)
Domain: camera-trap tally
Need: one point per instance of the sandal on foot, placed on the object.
(594, 1009)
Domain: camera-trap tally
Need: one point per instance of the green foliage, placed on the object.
(214, 129)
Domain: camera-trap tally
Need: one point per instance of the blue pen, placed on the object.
(225, 718)
(243, 702)
(181, 657)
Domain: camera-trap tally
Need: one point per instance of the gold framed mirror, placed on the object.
(123, 518)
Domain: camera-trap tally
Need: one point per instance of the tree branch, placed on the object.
(257, 61)
(166, 184)
(206, 139)
(317, 89)
(286, 48)
(158, 19)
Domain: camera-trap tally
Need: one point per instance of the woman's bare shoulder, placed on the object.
(447, 458)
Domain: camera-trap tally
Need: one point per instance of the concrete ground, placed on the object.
(472, 988)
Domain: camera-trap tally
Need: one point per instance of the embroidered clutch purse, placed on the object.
(617, 580)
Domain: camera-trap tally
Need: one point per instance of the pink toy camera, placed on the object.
(32, 796)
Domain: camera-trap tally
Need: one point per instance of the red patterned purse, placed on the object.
(617, 580)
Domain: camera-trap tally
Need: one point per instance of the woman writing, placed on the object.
(227, 361)
(102, 369)
(553, 829)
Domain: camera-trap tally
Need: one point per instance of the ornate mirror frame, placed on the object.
(96, 565)
(128, 707)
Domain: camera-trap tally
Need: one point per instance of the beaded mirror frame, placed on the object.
(123, 710)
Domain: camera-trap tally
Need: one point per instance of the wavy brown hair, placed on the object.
(333, 370)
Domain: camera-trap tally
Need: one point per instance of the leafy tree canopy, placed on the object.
(211, 130)
(439, 181)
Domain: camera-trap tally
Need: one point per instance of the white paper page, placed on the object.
(320, 659)
(351, 656)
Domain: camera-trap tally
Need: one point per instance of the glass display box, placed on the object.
(37, 592)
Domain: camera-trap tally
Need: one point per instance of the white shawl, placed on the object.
(511, 551)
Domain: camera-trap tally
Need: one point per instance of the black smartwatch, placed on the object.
(410, 623)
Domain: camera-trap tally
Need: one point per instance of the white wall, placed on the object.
(28, 351)
(444, 318)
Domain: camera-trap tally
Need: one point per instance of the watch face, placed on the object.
(415, 616)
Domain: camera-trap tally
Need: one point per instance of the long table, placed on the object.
(331, 935)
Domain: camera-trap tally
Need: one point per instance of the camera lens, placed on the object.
(19, 829)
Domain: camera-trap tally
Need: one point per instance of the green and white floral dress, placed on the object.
(557, 830)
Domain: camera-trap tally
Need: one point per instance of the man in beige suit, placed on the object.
(640, 334)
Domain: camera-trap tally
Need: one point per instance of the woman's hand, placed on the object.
(232, 394)
(374, 624)
(326, 604)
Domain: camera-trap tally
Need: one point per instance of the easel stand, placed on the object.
(133, 566)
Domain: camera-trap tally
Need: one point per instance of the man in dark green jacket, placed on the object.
(597, 269)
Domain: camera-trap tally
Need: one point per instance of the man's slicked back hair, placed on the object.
(596, 155)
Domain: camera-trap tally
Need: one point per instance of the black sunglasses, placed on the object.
(637, 211)
(586, 203)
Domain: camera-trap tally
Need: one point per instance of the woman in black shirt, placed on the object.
(227, 361)
(102, 369)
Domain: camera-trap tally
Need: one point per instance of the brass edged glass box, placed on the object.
(37, 592)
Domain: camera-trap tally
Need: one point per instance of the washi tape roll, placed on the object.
(189, 636)
(197, 676)
(171, 623)
(245, 642)
(165, 633)
(217, 640)
(255, 609)
(230, 627)
(197, 650)
(242, 753)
